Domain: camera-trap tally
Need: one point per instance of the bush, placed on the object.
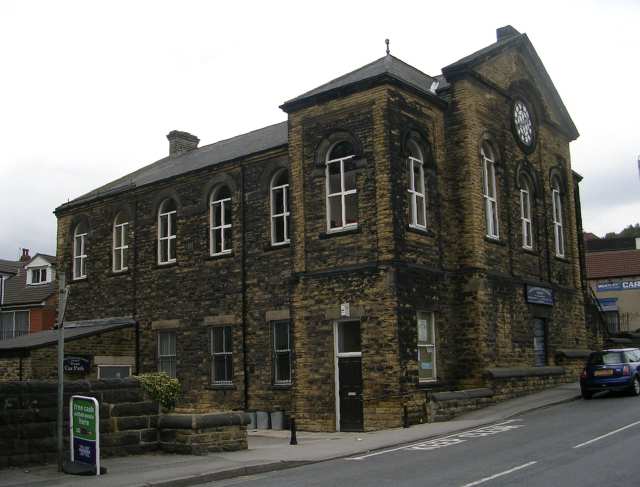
(161, 388)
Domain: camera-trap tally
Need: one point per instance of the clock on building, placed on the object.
(523, 124)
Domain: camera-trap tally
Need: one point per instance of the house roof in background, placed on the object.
(73, 330)
(9, 266)
(209, 155)
(17, 292)
(620, 263)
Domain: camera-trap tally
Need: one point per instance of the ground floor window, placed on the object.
(539, 342)
(426, 347)
(221, 355)
(114, 371)
(167, 352)
(13, 324)
(281, 352)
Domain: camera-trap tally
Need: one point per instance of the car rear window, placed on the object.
(606, 358)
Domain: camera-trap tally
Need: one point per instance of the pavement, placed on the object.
(269, 450)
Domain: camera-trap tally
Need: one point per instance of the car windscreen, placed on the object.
(606, 358)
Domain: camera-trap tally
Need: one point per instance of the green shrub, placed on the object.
(161, 388)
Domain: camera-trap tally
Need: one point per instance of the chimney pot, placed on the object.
(25, 255)
(181, 142)
(506, 32)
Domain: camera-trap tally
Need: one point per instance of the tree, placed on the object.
(630, 231)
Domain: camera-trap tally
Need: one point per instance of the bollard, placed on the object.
(294, 440)
(405, 418)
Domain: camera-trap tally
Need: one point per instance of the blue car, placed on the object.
(611, 370)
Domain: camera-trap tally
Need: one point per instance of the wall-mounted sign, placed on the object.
(608, 304)
(618, 286)
(539, 295)
(77, 364)
(345, 312)
(84, 423)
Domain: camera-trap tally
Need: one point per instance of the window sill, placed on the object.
(420, 231)
(119, 273)
(271, 247)
(221, 387)
(339, 233)
(220, 256)
(166, 265)
(562, 259)
(495, 241)
(281, 386)
(530, 251)
(426, 384)
(79, 279)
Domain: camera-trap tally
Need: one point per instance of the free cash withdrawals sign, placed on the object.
(85, 431)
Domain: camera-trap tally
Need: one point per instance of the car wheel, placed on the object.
(635, 387)
(587, 395)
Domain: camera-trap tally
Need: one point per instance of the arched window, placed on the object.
(489, 191)
(525, 213)
(280, 208)
(167, 232)
(558, 229)
(120, 243)
(342, 195)
(417, 193)
(220, 221)
(80, 251)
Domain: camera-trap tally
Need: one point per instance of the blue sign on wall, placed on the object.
(608, 304)
(618, 286)
(539, 295)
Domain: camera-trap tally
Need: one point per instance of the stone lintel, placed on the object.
(277, 315)
(165, 324)
(222, 320)
(333, 313)
(114, 360)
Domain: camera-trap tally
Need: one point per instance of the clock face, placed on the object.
(523, 123)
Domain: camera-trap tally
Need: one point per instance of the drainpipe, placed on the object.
(244, 289)
(134, 278)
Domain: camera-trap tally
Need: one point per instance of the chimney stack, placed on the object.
(181, 142)
(506, 32)
(25, 257)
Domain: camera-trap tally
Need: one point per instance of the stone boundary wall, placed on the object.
(129, 423)
(444, 406)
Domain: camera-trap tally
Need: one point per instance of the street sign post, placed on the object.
(84, 424)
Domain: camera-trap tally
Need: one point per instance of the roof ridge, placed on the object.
(235, 137)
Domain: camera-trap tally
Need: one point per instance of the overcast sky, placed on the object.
(88, 90)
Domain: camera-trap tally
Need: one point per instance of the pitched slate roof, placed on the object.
(208, 155)
(72, 331)
(620, 263)
(17, 292)
(9, 266)
(388, 66)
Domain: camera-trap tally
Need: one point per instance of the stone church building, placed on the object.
(398, 234)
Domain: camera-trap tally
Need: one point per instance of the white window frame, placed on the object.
(277, 351)
(490, 200)
(558, 228)
(227, 351)
(223, 228)
(168, 356)
(171, 233)
(525, 215)
(100, 367)
(342, 193)
(120, 247)
(429, 318)
(13, 329)
(79, 254)
(40, 279)
(417, 193)
(284, 189)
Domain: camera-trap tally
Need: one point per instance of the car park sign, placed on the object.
(84, 423)
(618, 286)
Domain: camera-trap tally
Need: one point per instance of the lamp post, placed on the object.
(62, 306)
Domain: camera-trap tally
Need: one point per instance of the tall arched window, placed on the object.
(417, 193)
(80, 251)
(167, 214)
(280, 215)
(220, 221)
(120, 242)
(342, 195)
(525, 213)
(558, 229)
(489, 191)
